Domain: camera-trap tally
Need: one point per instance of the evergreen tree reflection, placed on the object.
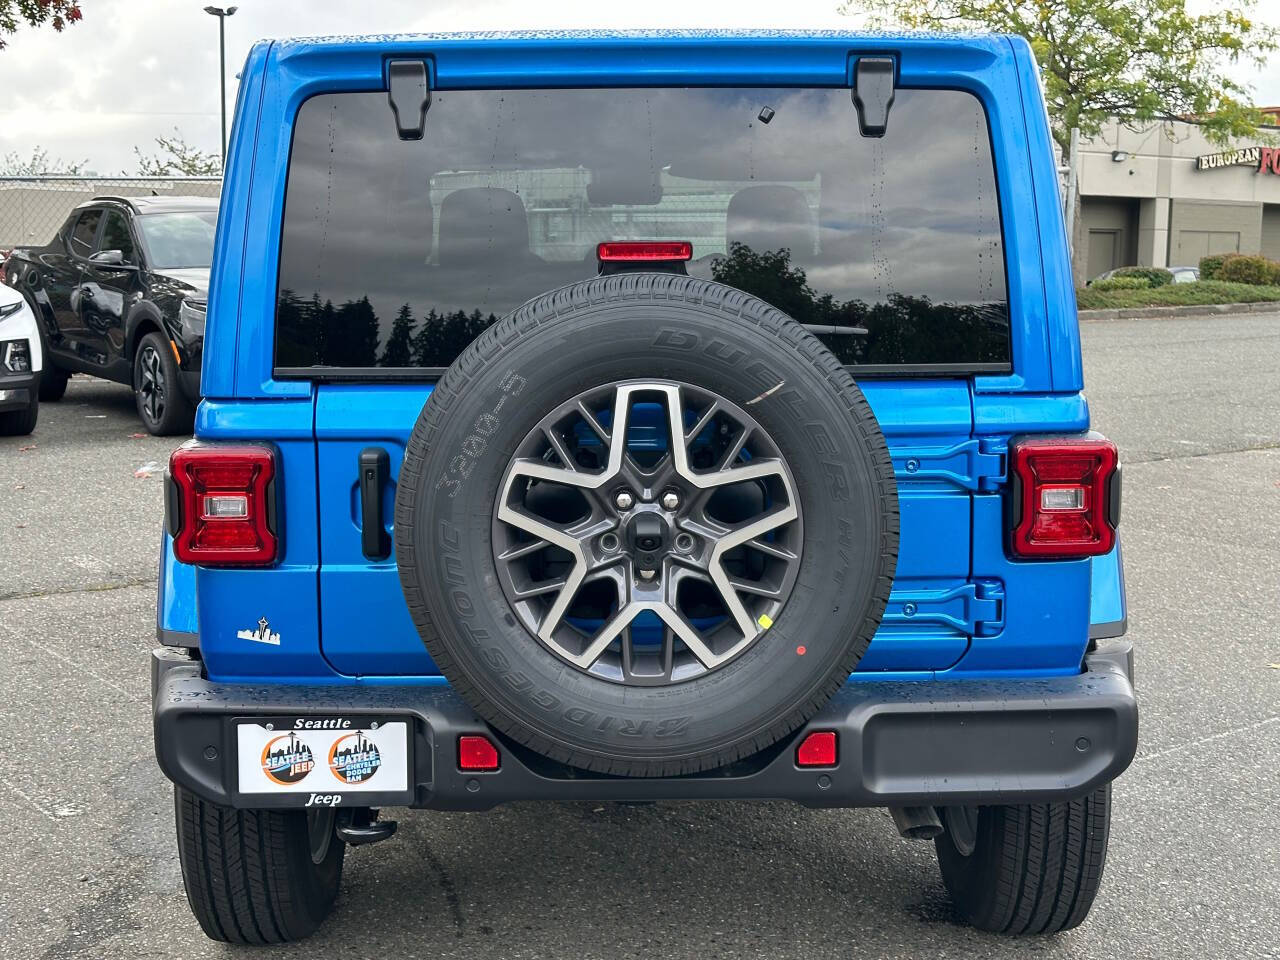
(901, 329)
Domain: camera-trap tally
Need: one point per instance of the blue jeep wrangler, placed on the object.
(638, 417)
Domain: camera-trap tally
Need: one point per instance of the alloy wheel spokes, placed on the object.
(151, 383)
(647, 531)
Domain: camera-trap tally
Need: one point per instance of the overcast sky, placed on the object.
(135, 69)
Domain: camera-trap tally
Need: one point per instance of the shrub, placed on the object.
(1176, 294)
(1116, 282)
(1154, 276)
(1239, 268)
(1210, 265)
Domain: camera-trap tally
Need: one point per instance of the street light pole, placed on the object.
(222, 15)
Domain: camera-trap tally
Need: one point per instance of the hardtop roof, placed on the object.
(143, 205)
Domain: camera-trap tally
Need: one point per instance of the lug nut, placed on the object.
(647, 574)
(684, 542)
(624, 500)
(609, 542)
(670, 500)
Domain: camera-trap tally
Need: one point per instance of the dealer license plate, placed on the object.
(322, 755)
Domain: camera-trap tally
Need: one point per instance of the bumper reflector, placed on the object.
(477, 753)
(818, 749)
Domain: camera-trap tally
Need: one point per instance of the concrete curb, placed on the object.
(1198, 310)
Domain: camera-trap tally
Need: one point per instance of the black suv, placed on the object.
(120, 293)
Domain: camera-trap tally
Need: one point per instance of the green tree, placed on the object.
(176, 157)
(350, 334)
(16, 165)
(1141, 60)
(59, 14)
(399, 349)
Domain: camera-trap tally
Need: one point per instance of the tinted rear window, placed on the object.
(85, 231)
(398, 253)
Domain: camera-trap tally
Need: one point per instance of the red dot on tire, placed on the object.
(800, 651)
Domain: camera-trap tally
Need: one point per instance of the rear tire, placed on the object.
(163, 407)
(19, 423)
(53, 382)
(250, 875)
(1032, 869)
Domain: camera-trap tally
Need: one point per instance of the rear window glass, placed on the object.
(398, 253)
(86, 230)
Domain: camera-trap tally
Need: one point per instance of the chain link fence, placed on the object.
(33, 208)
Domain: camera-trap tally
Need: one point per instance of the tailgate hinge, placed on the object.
(975, 608)
(409, 94)
(974, 464)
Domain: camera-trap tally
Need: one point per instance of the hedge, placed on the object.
(1239, 268)
(1177, 294)
(1154, 276)
(1117, 282)
(1210, 265)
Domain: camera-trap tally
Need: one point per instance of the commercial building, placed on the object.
(1162, 195)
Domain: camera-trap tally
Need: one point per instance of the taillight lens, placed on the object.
(1066, 496)
(221, 505)
(622, 251)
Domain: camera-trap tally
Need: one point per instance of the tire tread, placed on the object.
(240, 872)
(1037, 867)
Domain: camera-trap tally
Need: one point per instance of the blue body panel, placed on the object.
(1108, 605)
(960, 607)
(175, 592)
(360, 599)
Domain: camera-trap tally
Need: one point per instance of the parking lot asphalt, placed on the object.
(88, 866)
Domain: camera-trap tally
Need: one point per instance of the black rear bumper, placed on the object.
(900, 743)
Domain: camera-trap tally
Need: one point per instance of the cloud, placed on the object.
(135, 69)
(132, 71)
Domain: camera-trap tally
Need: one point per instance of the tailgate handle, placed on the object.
(374, 467)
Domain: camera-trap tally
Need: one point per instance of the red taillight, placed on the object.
(477, 753)
(1066, 496)
(220, 505)
(818, 749)
(623, 251)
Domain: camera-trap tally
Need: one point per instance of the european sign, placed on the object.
(1262, 159)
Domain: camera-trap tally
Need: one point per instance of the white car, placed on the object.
(20, 364)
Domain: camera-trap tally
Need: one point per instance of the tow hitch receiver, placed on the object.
(361, 827)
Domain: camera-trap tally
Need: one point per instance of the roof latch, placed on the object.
(409, 96)
(873, 94)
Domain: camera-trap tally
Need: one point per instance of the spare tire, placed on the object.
(646, 525)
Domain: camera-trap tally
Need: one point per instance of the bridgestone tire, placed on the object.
(646, 326)
(249, 874)
(1034, 869)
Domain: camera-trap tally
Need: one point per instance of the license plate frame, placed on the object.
(364, 760)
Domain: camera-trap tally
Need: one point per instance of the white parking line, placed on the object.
(1179, 747)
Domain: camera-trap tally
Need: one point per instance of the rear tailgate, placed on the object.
(934, 610)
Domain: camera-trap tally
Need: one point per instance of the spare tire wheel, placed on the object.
(646, 525)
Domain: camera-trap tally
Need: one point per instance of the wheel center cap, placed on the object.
(648, 537)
